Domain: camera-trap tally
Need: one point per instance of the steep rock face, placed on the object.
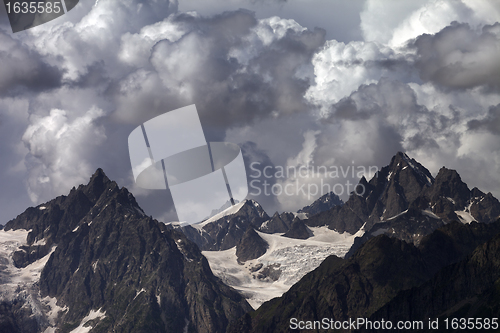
(251, 246)
(298, 230)
(143, 276)
(226, 232)
(467, 289)
(410, 226)
(381, 269)
(324, 203)
(448, 184)
(281, 223)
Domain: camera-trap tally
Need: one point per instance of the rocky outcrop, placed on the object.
(467, 289)
(298, 230)
(404, 201)
(53, 220)
(251, 246)
(387, 194)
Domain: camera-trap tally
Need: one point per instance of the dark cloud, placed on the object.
(22, 69)
(339, 18)
(346, 109)
(490, 123)
(386, 98)
(421, 141)
(459, 57)
(257, 159)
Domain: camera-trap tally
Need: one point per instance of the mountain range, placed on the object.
(94, 261)
(109, 267)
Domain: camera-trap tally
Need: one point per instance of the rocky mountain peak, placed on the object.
(389, 193)
(98, 183)
(323, 203)
(107, 256)
(449, 184)
(253, 210)
(279, 223)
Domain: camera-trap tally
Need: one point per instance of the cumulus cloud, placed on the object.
(416, 82)
(490, 123)
(459, 57)
(395, 23)
(235, 68)
(339, 70)
(95, 37)
(59, 150)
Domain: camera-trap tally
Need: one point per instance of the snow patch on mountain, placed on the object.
(379, 232)
(91, 316)
(229, 211)
(428, 212)
(395, 216)
(464, 216)
(52, 312)
(21, 283)
(286, 261)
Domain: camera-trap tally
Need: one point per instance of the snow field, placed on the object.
(293, 257)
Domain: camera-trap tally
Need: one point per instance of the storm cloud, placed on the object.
(458, 57)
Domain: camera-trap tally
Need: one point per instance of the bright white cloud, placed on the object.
(396, 22)
(59, 151)
(340, 69)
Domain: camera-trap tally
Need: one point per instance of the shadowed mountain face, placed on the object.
(110, 256)
(467, 289)
(279, 223)
(298, 230)
(375, 277)
(251, 246)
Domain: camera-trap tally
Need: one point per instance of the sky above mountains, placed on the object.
(294, 83)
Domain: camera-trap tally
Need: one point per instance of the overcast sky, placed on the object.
(293, 82)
